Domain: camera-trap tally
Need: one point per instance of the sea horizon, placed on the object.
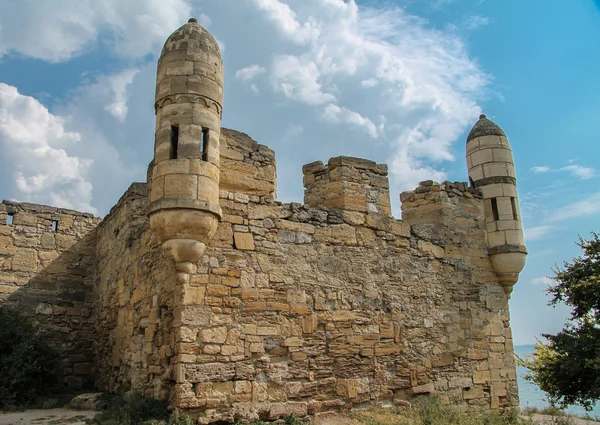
(530, 395)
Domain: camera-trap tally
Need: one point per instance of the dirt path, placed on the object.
(555, 420)
(47, 417)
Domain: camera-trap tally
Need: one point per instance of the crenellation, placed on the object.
(351, 184)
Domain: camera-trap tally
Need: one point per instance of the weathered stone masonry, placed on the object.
(268, 309)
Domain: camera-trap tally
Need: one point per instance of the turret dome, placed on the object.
(191, 32)
(485, 127)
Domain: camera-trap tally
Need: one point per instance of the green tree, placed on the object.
(567, 366)
(30, 366)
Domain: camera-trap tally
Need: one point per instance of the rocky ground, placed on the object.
(80, 417)
(47, 417)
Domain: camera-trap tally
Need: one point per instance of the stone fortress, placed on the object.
(201, 288)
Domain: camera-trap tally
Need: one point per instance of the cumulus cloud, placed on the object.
(248, 73)
(336, 114)
(283, 15)
(56, 31)
(118, 84)
(426, 83)
(298, 79)
(34, 145)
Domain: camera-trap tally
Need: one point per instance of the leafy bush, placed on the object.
(180, 420)
(133, 410)
(30, 366)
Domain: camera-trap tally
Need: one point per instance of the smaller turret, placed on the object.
(491, 168)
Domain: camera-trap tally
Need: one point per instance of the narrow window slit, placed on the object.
(495, 209)
(54, 226)
(9, 219)
(205, 141)
(513, 202)
(174, 142)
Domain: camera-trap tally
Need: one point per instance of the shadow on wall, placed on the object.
(47, 260)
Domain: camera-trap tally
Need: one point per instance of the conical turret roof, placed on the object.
(485, 127)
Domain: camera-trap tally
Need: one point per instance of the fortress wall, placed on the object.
(307, 310)
(48, 273)
(292, 309)
(133, 302)
(296, 309)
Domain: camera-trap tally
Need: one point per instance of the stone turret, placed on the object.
(491, 169)
(184, 199)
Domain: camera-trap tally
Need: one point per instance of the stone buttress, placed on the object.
(184, 198)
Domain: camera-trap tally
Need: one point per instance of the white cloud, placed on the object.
(336, 115)
(370, 82)
(588, 206)
(542, 281)
(583, 173)
(118, 84)
(34, 143)
(248, 73)
(283, 15)
(58, 30)
(298, 79)
(426, 84)
(474, 22)
(538, 232)
(540, 169)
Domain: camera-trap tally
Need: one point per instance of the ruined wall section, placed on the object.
(134, 294)
(47, 263)
(350, 184)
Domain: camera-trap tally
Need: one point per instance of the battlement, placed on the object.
(346, 183)
(246, 166)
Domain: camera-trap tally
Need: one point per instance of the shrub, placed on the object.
(30, 366)
(133, 410)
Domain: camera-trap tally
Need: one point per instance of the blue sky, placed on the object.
(399, 82)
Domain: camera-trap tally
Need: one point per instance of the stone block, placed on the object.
(193, 295)
(423, 389)
(473, 393)
(244, 241)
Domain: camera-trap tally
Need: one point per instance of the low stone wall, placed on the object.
(47, 263)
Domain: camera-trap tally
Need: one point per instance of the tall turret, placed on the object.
(491, 168)
(184, 197)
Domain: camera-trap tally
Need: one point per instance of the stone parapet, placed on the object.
(246, 166)
(345, 183)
